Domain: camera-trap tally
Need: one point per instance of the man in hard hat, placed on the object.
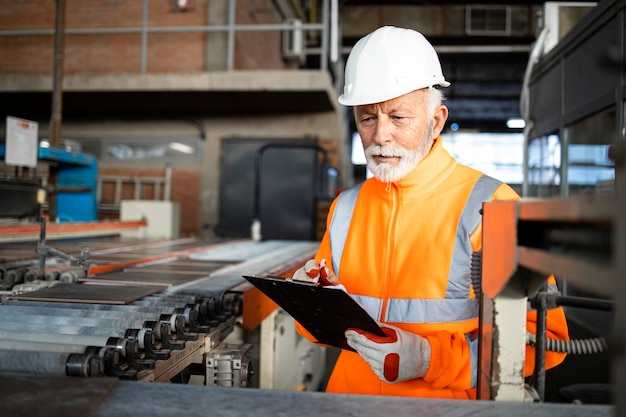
(401, 242)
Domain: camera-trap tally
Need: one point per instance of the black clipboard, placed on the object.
(325, 312)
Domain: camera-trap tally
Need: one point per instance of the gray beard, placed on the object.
(409, 159)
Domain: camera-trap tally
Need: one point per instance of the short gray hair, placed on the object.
(435, 99)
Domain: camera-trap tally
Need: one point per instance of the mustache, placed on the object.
(386, 151)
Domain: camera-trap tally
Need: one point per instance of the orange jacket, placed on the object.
(406, 259)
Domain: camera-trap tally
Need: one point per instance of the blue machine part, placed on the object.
(79, 202)
(77, 180)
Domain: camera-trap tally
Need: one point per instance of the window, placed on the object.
(144, 151)
(544, 166)
(499, 155)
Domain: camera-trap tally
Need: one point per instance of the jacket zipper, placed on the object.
(390, 238)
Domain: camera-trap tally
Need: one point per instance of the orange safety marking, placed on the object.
(70, 227)
(499, 245)
(101, 269)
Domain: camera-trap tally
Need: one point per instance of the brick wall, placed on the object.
(257, 49)
(121, 53)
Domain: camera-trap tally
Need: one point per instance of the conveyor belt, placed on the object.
(146, 315)
(101, 294)
(158, 335)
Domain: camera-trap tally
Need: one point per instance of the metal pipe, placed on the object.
(177, 316)
(540, 347)
(144, 37)
(56, 117)
(76, 313)
(584, 302)
(42, 346)
(334, 31)
(49, 363)
(230, 49)
(325, 20)
(78, 339)
(57, 79)
(158, 308)
(66, 330)
(148, 308)
(109, 323)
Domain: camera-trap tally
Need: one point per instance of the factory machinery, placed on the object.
(111, 326)
(88, 328)
(149, 311)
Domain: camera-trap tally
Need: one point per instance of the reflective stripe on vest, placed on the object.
(456, 306)
(340, 223)
(459, 274)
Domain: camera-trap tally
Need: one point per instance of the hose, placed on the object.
(574, 346)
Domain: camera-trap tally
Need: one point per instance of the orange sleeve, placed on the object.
(556, 328)
(556, 325)
(450, 361)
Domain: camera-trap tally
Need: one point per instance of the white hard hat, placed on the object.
(389, 63)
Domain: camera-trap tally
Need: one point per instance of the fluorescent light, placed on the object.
(516, 123)
(181, 147)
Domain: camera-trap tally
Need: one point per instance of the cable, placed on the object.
(574, 346)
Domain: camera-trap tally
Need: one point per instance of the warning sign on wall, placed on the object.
(22, 142)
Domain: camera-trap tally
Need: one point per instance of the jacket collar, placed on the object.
(425, 177)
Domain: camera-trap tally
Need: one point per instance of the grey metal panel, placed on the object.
(545, 102)
(85, 293)
(583, 72)
(287, 190)
(100, 397)
(589, 73)
(132, 398)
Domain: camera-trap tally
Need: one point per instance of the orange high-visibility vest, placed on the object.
(406, 258)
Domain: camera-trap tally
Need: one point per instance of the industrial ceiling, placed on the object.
(484, 49)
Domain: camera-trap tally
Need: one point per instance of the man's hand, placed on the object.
(314, 272)
(398, 357)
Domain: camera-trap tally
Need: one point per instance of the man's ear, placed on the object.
(439, 120)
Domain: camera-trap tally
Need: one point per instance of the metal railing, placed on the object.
(161, 188)
(328, 50)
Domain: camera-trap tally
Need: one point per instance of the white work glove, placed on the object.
(317, 273)
(398, 357)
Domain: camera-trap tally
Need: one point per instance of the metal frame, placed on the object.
(516, 263)
(575, 80)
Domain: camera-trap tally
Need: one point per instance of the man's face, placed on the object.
(397, 134)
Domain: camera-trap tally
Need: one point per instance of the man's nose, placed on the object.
(383, 134)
